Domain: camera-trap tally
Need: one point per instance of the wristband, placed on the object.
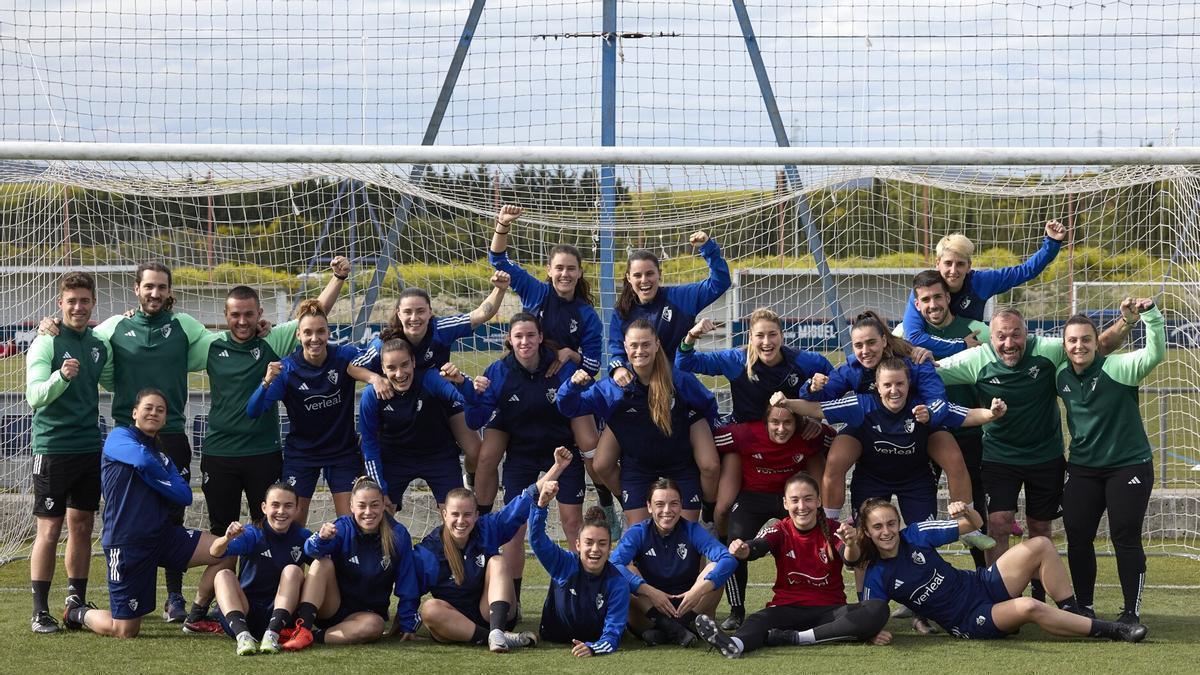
(505, 231)
(589, 454)
(341, 277)
(685, 347)
(266, 385)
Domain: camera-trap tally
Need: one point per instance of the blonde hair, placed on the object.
(662, 385)
(311, 307)
(752, 355)
(453, 554)
(387, 538)
(956, 244)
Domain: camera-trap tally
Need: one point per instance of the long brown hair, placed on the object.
(387, 539)
(395, 328)
(583, 290)
(628, 296)
(893, 345)
(453, 554)
(752, 355)
(662, 384)
(802, 477)
(869, 552)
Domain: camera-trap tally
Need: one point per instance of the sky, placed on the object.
(844, 72)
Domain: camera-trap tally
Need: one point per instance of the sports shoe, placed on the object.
(501, 642)
(715, 637)
(286, 633)
(1128, 617)
(246, 644)
(42, 622)
(301, 638)
(1131, 632)
(977, 540)
(614, 522)
(924, 626)
(779, 637)
(676, 632)
(737, 616)
(74, 602)
(1085, 611)
(175, 609)
(269, 644)
(902, 612)
(201, 626)
(653, 637)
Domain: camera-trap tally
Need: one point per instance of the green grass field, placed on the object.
(1171, 598)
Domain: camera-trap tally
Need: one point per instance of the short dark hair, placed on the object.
(243, 293)
(73, 280)
(929, 278)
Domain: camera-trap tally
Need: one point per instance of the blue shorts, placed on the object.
(521, 471)
(636, 482)
(132, 570)
(339, 474)
(347, 608)
(442, 472)
(257, 618)
(977, 624)
(918, 497)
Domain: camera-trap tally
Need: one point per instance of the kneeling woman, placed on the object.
(588, 602)
(660, 559)
(140, 484)
(809, 603)
(359, 559)
(904, 565)
(259, 600)
(462, 568)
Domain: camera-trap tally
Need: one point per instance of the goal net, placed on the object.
(817, 242)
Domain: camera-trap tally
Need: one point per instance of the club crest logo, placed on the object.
(49, 502)
(667, 314)
(291, 480)
(797, 459)
(823, 556)
(574, 326)
(133, 604)
(480, 560)
(1034, 370)
(792, 380)
(551, 394)
(909, 425)
(681, 550)
(256, 352)
(428, 354)
(95, 355)
(599, 601)
(333, 376)
(980, 620)
(385, 562)
(166, 331)
(420, 404)
(296, 553)
(918, 557)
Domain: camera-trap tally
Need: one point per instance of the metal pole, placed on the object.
(608, 182)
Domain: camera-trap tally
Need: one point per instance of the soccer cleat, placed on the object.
(737, 616)
(614, 521)
(902, 612)
(978, 540)
(43, 623)
(270, 643)
(1084, 611)
(924, 626)
(501, 642)
(1131, 632)
(73, 603)
(709, 631)
(175, 609)
(1128, 617)
(676, 632)
(653, 637)
(779, 637)
(246, 644)
(301, 638)
(286, 634)
(201, 626)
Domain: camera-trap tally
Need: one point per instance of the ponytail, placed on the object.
(662, 383)
(893, 345)
(311, 307)
(752, 355)
(628, 296)
(454, 557)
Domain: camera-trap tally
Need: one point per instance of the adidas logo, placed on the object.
(388, 408)
(67, 355)
(1066, 389)
(303, 386)
(224, 352)
(1134, 481)
(791, 554)
(354, 559)
(514, 399)
(651, 554)
(572, 590)
(898, 584)
(266, 553)
(130, 333)
(631, 411)
(994, 380)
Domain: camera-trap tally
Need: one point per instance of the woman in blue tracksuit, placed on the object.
(361, 559)
(139, 484)
(473, 595)
(563, 304)
(650, 418)
(316, 385)
(670, 311)
(260, 598)
(872, 343)
(516, 410)
(587, 605)
(971, 289)
(410, 434)
(661, 559)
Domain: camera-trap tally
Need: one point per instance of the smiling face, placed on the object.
(933, 302)
(665, 508)
(883, 529)
(150, 414)
(525, 339)
(152, 291)
(458, 517)
(366, 506)
(76, 305)
(279, 509)
(564, 271)
(643, 275)
(398, 367)
(241, 317)
(594, 545)
(868, 346)
(953, 268)
(767, 339)
(641, 345)
(802, 502)
(1009, 336)
(892, 386)
(414, 314)
(313, 334)
(781, 425)
(1080, 342)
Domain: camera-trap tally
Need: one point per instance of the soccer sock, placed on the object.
(706, 511)
(498, 614)
(1105, 629)
(470, 480)
(979, 559)
(833, 514)
(198, 612)
(805, 637)
(604, 496)
(1068, 604)
(77, 614)
(484, 509)
(1036, 590)
(77, 587)
(280, 618)
(174, 581)
(517, 589)
(306, 612)
(41, 596)
(237, 622)
(480, 636)
(735, 588)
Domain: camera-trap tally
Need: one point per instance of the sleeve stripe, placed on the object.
(448, 321)
(936, 524)
(844, 402)
(958, 409)
(603, 647)
(364, 357)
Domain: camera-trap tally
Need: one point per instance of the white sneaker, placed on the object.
(500, 642)
(246, 644)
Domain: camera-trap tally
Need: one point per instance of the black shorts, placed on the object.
(752, 510)
(225, 479)
(175, 445)
(1043, 487)
(62, 481)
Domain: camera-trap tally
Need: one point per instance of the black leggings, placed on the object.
(1125, 493)
(831, 623)
(750, 511)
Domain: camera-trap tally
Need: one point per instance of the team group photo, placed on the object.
(633, 357)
